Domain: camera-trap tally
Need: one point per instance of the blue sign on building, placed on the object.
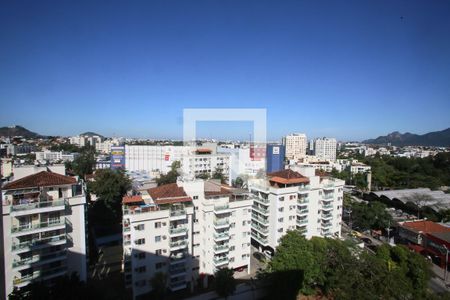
(275, 154)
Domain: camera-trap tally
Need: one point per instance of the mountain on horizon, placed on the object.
(90, 133)
(17, 130)
(435, 138)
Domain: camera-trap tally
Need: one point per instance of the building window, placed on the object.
(281, 209)
(159, 265)
(157, 224)
(281, 198)
(158, 252)
(140, 269)
(280, 220)
(195, 197)
(140, 242)
(157, 239)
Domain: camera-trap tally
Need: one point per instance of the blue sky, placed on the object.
(348, 69)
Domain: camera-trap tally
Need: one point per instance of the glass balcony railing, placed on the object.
(30, 226)
(178, 244)
(261, 210)
(221, 207)
(262, 229)
(37, 242)
(221, 222)
(221, 247)
(302, 211)
(327, 206)
(39, 274)
(260, 239)
(302, 222)
(37, 258)
(303, 200)
(177, 213)
(222, 235)
(262, 200)
(39, 204)
(220, 261)
(327, 225)
(175, 230)
(260, 219)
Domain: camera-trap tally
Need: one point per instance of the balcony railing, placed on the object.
(303, 200)
(302, 222)
(261, 240)
(37, 242)
(328, 197)
(264, 230)
(327, 206)
(177, 270)
(222, 235)
(178, 244)
(175, 230)
(262, 200)
(37, 258)
(327, 225)
(221, 247)
(177, 213)
(221, 222)
(302, 211)
(39, 204)
(30, 226)
(260, 210)
(260, 219)
(327, 217)
(39, 274)
(221, 207)
(220, 261)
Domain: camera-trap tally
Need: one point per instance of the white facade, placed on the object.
(43, 230)
(53, 156)
(312, 204)
(242, 164)
(295, 144)
(153, 158)
(6, 167)
(325, 148)
(186, 238)
(197, 164)
(25, 170)
(86, 140)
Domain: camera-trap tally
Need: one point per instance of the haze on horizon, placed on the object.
(351, 70)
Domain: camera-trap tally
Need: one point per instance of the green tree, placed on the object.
(171, 176)
(84, 164)
(224, 282)
(238, 182)
(218, 174)
(109, 186)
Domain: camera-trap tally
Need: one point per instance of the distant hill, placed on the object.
(90, 133)
(18, 131)
(436, 138)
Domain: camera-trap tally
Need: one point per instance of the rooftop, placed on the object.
(426, 227)
(41, 179)
(287, 176)
(168, 193)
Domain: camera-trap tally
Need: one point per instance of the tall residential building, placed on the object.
(204, 161)
(325, 148)
(289, 200)
(275, 155)
(186, 230)
(43, 222)
(53, 156)
(295, 145)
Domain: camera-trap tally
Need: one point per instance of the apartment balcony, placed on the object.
(220, 261)
(40, 275)
(261, 240)
(261, 210)
(39, 259)
(31, 228)
(265, 202)
(221, 248)
(34, 206)
(304, 189)
(177, 215)
(177, 259)
(223, 209)
(327, 225)
(303, 200)
(177, 271)
(176, 286)
(178, 245)
(261, 229)
(261, 220)
(39, 243)
(302, 222)
(328, 197)
(127, 243)
(178, 231)
(302, 211)
(327, 217)
(327, 207)
(221, 223)
(302, 230)
(222, 236)
(328, 186)
(126, 229)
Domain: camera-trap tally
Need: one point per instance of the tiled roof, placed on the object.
(426, 226)
(44, 178)
(168, 193)
(287, 176)
(132, 199)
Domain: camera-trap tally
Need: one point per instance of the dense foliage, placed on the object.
(109, 186)
(84, 164)
(224, 282)
(372, 215)
(336, 269)
(171, 176)
(402, 172)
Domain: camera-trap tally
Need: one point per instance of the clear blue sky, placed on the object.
(349, 69)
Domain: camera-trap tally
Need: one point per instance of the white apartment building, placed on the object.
(86, 140)
(295, 144)
(52, 156)
(325, 148)
(241, 162)
(26, 170)
(43, 237)
(289, 200)
(153, 158)
(186, 230)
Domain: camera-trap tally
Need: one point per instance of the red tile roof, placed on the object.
(43, 178)
(169, 193)
(426, 226)
(131, 199)
(287, 177)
